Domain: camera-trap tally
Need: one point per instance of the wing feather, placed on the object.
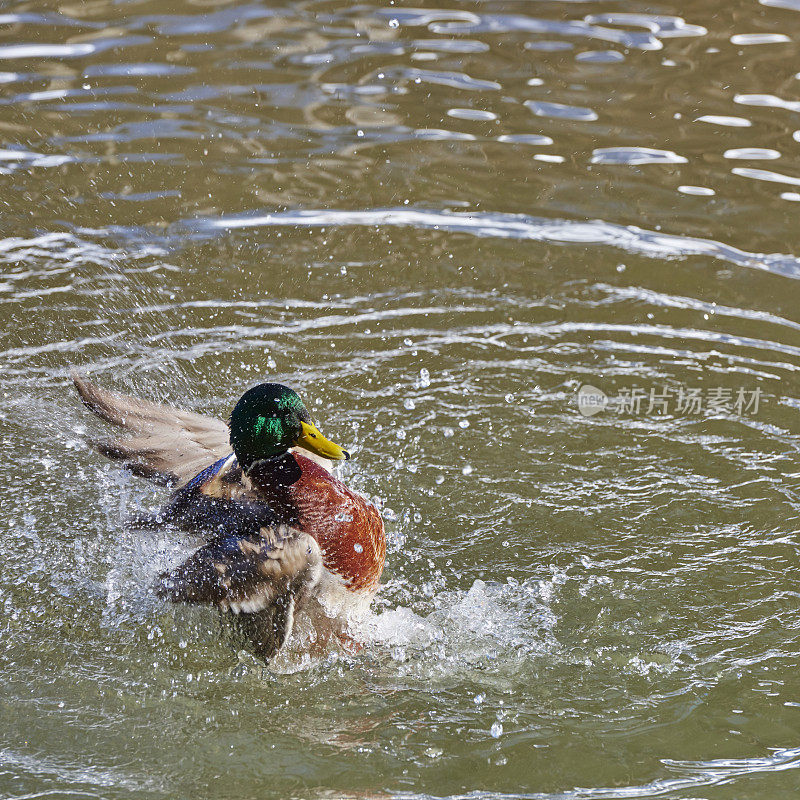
(164, 444)
(263, 579)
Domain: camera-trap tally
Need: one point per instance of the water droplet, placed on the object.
(358, 548)
(394, 23)
(467, 470)
(464, 423)
(424, 375)
(496, 730)
(408, 404)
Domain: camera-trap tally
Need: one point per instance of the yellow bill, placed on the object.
(312, 439)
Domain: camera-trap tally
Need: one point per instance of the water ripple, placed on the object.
(76, 50)
(560, 110)
(450, 23)
(635, 155)
(455, 80)
(696, 774)
(762, 153)
(768, 100)
(765, 175)
(663, 26)
(793, 5)
(731, 122)
(759, 38)
(508, 226)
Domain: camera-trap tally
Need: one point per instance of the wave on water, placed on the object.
(506, 226)
(696, 774)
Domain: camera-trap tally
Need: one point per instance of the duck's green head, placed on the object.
(269, 419)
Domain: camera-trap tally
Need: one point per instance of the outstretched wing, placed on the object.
(263, 579)
(164, 444)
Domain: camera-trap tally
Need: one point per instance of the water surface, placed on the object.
(437, 221)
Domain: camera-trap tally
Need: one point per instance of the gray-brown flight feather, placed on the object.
(164, 444)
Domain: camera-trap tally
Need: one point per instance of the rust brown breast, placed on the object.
(347, 527)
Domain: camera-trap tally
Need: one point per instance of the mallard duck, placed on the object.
(283, 534)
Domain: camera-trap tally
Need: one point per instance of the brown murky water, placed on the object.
(438, 221)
